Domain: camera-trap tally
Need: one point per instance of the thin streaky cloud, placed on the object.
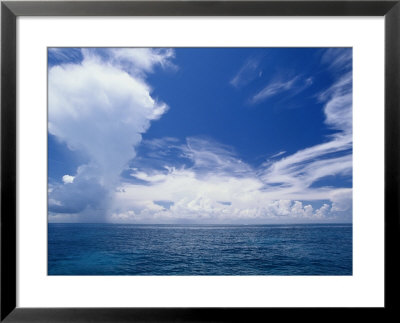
(338, 58)
(247, 73)
(278, 154)
(292, 87)
(297, 172)
(66, 55)
(273, 89)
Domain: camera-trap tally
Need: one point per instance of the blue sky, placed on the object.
(200, 135)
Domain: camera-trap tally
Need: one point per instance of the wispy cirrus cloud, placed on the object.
(278, 154)
(292, 86)
(296, 173)
(211, 156)
(338, 58)
(58, 55)
(247, 73)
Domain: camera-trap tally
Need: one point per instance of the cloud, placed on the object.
(165, 204)
(140, 61)
(338, 58)
(294, 86)
(210, 156)
(84, 194)
(338, 109)
(59, 55)
(224, 189)
(338, 98)
(278, 154)
(68, 179)
(272, 89)
(101, 109)
(247, 73)
(298, 171)
(215, 199)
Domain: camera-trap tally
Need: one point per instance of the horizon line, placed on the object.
(220, 224)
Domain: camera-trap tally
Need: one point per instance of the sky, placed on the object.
(200, 135)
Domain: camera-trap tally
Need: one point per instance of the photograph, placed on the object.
(206, 161)
(198, 161)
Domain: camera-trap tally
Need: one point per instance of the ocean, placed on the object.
(127, 249)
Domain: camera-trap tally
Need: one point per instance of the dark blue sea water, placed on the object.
(115, 249)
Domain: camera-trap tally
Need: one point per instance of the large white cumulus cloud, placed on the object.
(101, 106)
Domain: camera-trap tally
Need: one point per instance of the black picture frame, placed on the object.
(10, 10)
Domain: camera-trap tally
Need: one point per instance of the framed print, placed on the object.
(198, 161)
